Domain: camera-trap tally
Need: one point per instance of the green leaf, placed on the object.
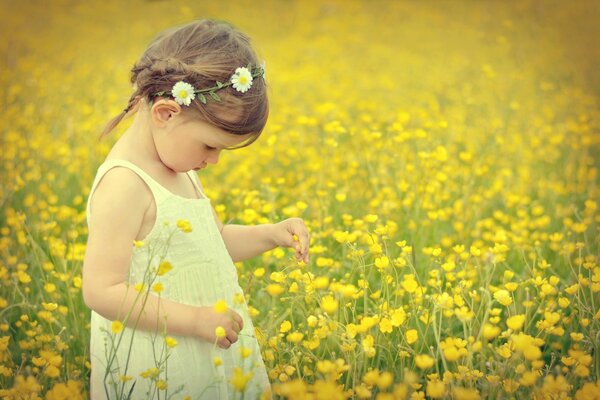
(219, 84)
(215, 96)
(202, 98)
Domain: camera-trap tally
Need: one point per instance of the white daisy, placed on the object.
(183, 93)
(242, 79)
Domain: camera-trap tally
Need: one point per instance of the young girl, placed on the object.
(199, 89)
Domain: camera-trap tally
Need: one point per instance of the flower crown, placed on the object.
(241, 80)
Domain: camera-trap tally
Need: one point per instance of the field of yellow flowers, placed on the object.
(443, 154)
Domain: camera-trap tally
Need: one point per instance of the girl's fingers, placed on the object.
(237, 319)
(300, 239)
(237, 328)
(232, 337)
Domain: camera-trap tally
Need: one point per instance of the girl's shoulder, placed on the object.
(119, 192)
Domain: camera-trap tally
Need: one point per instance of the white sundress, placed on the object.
(202, 274)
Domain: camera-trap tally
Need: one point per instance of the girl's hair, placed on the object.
(201, 53)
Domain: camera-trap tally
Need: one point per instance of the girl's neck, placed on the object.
(137, 142)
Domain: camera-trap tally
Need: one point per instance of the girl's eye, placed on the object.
(210, 148)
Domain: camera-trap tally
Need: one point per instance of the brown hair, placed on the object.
(201, 53)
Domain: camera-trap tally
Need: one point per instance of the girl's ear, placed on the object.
(164, 110)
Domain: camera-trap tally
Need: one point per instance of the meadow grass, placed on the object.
(442, 154)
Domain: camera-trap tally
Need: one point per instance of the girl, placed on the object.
(168, 315)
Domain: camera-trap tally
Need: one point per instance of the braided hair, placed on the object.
(201, 53)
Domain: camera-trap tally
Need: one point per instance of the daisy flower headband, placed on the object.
(241, 80)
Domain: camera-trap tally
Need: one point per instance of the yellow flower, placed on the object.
(382, 262)
(217, 361)
(515, 322)
(294, 337)
(50, 287)
(158, 287)
(329, 304)
(528, 378)
(398, 316)
(436, 389)
(219, 332)
(409, 283)
(52, 371)
(23, 277)
(117, 326)
(150, 373)
(70, 390)
(424, 361)
(385, 325)
(274, 289)
(451, 353)
(385, 380)
(184, 225)
(371, 218)
(504, 351)
(503, 297)
(139, 287)
(239, 298)
(239, 380)
(285, 326)
(50, 306)
(171, 342)
(412, 336)
(220, 307)
(245, 352)
(161, 385)
(490, 331)
(164, 267)
(459, 393)
(577, 337)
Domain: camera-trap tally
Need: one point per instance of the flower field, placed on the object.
(444, 156)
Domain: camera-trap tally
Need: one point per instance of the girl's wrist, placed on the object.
(271, 235)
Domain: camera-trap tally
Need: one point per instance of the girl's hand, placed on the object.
(292, 233)
(208, 320)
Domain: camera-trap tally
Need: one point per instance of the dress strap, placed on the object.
(158, 191)
(196, 181)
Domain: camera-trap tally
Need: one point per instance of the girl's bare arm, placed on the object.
(247, 241)
(118, 206)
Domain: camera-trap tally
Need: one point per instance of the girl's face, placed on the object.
(185, 144)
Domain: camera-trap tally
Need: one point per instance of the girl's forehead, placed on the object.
(222, 138)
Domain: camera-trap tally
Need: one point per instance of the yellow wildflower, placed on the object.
(219, 332)
(412, 336)
(117, 326)
(164, 267)
(515, 322)
(220, 307)
(171, 342)
(329, 304)
(239, 380)
(184, 225)
(503, 297)
(424, 361)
